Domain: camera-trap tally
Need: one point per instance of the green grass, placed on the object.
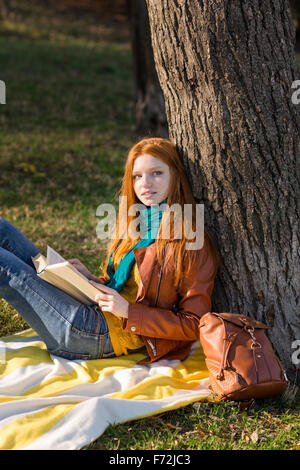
(64, 136)
(269, 425)
(66, 128)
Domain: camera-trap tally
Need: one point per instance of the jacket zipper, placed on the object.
(152, 347)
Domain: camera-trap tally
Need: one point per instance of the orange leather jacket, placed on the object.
(169, 329)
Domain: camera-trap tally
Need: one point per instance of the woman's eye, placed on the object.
(154, 173)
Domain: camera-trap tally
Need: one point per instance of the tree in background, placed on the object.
(149, 103)
(295, 10)
(226, 69)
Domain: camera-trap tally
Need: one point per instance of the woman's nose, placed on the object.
(146, 181)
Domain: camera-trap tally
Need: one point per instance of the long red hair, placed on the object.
(180, 193)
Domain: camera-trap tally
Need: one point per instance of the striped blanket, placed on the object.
(47, 402)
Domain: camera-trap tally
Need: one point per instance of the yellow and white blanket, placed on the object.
(47, 402)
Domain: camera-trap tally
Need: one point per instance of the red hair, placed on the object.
(180, 193)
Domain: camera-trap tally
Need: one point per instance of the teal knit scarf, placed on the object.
(150, 217)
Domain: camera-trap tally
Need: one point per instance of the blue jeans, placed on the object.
(69, 328)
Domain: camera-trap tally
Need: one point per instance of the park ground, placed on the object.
(64, 137)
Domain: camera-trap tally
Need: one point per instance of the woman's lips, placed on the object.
(148, 194)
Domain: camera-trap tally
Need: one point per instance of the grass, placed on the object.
(64, 135)
(65, 129)
(269, 425)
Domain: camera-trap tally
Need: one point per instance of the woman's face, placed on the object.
(151, 179)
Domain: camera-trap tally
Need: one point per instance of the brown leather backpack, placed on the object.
(240, 358)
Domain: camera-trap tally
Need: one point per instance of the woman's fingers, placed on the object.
(109, 300)
(76, 263)
(102, 287)
(104, 297)
(105, 306)
(105, 309)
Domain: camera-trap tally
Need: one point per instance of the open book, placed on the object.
(62, 274)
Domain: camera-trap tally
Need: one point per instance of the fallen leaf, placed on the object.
(200, 430)
(172, 426)
(245, 437)
(27, 167)
(254, 437)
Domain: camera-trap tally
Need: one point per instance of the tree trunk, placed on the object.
(295, 11)
(226, 69)
(149, 101)
(4, 10)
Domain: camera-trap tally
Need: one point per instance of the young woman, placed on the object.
(154, 290)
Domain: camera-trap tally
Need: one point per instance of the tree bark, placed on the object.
(149, 107)
(226, 69)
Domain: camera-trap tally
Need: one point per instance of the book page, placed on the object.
(62, 274)
(53, 257)
(66, 286)
(66, 274)
(39, 262)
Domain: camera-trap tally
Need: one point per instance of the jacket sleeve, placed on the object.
(195, 300)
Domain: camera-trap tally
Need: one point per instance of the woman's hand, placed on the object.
(82, 269)
(109, 300)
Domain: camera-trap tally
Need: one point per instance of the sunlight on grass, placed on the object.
(65, 131)
(64, 135)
